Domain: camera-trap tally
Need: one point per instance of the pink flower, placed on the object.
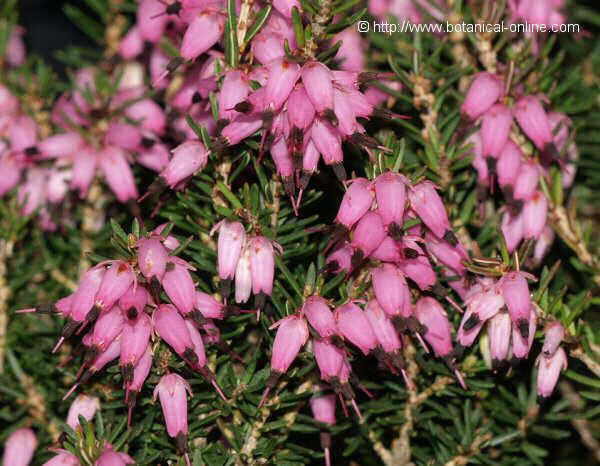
(319, 316)
(330, 358)
(134, 301)
(383, 328)
(188, 158)
(535, 214)
(515, 292)
(292, 334)
(521, 346)
(152, 257)
(243, 277)
(19, 448)
(432, 316)
(202, 33)
(63, 458)
(108, 327)
(533, 120)
(281, 79)
(340, 260)
(428, 205)
(368, 234)
(390, 289)
(85, 406)
(178, 284)
(208, 306)
(512, 229)
(548, 371)
(354, 326)
(171, 327)
(262, 264)
(323, 408)
(508, 165)
(117, 173)
(499, 330)
(484, 91)
(390, 192)
(554, 335)
(451, 256)
(318, 83)
(495, 128)
(171, 390)
(116, 281)
(135, 337)
(356, 202)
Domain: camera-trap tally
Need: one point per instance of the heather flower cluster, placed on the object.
(117, 306)
(502, 164)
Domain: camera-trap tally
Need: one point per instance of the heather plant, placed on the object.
(252, 233)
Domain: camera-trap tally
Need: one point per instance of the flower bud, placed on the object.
(548, 371)
(484, 91)
(19, 448)
(527, 181)
(85, 406)
(292, 334)
(354, 327)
